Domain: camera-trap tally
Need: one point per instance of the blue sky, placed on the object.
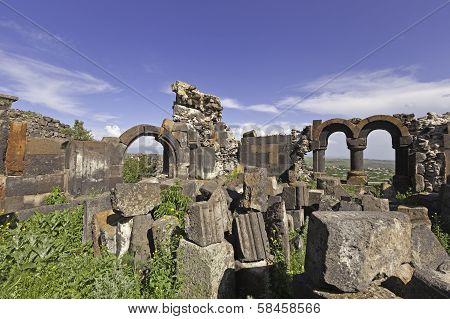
(260, 57)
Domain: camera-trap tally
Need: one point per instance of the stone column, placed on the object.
(357, 175)
(319, 160)
(5, 104)
(402, 180)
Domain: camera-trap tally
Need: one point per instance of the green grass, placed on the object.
(44, 257)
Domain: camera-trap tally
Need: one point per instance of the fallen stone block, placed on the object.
(277, 225)
(329, 203)
(328, 184)
(124, 229)
(417, 215)
(221, 202)
(289, 196)
(273, 189)
(298, 217)
(372, 203)
(255, 185)
(429, 284)
(347, 206)
(91, 207)
(207, 189)
(348, 250)
(302, 194)
(104, 231)
(204, 224)
(189, 187)
(252, 242)
(427, 251)
(315, 196)
(135, 199)
(206, 272)
(252, 279)
(140, 237)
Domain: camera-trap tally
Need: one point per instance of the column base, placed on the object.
(357, 178)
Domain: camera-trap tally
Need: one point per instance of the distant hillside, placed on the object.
(345, 163)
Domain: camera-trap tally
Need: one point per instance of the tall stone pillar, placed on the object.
(357, 175)
(319, 160)
(402, 179)
(5, 104)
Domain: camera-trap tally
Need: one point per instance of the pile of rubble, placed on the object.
(427, 133)
(203, 113)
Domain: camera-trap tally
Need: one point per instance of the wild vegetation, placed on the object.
(77, 132)
(56, 197)
(44, 257)
(137, 167)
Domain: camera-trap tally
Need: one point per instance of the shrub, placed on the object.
(441, 235)
(44, 257)
(56, 197)
(407, 198)
(137, 167)
(234, 174)
(173, 203)
(78, 132)
(161, 282)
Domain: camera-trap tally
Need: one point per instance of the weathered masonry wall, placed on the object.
(270, 152)
(429, 164)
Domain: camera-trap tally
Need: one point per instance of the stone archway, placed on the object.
(357, 132)
(171, 146)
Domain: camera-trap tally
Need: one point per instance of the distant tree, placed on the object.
(78, 132)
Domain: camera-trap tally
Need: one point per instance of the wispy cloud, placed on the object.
(48, 85)
(235, 104)
(384, 91)
(100, 117)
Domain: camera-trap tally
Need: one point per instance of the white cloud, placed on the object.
(113, 130)
(234, 104)
(363, 94)
(48, 85)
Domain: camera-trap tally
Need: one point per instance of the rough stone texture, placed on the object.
(208, 188)
(444, 200)
(135, 199)
(270, 152)
(255, 184)
(427, 283)
(91, 207)
(298, 217)
(315, 196)
(206, 272)
(272, 187)
(203, 113)
(277, 225)
(38, 125)
(204, 224)
(427, 252)
(140, 237)
(349, 206)
(417, 215)
(329, 203)
(372, 203)
(124, 229)
(302, 194)
(428, 161)
(15, 154)
(348, 250)
(328, 184)
(289, 196)
(104, 231)
(252, 243)
(163, 229)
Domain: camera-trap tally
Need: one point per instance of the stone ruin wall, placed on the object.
(428, 164)
(38, 125)
(203, 113)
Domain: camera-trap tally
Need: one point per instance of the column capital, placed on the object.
(357, 144)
